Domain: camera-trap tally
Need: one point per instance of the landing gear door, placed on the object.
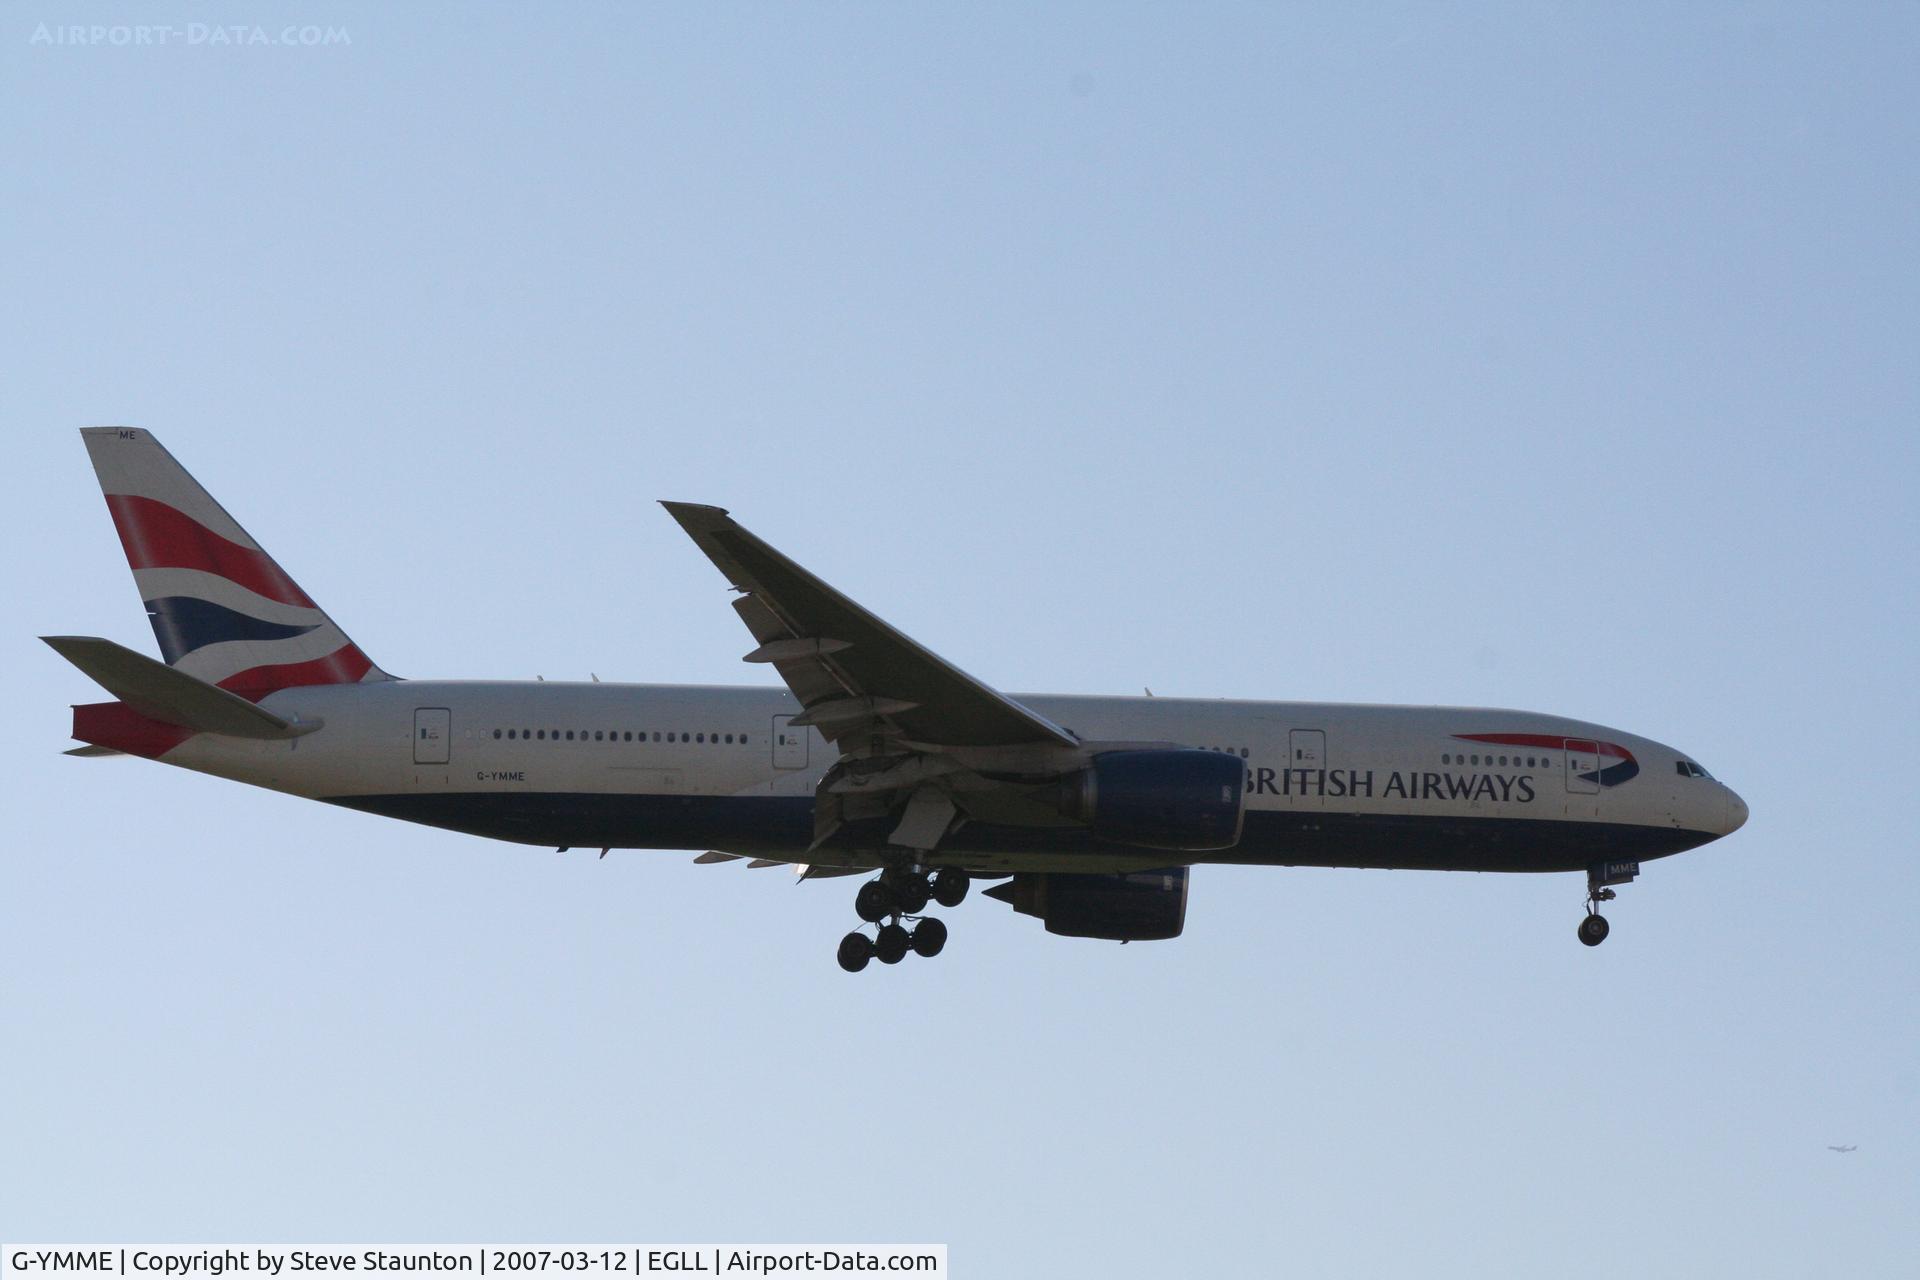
(789, 744)
(432, 735)
(1583, 767)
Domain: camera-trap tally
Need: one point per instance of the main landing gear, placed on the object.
(896, 896)
(1601, 875)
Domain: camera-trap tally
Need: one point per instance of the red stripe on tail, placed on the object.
(345, 665)
(117, 725)
(158, 537)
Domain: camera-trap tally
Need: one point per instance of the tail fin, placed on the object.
(222, 610)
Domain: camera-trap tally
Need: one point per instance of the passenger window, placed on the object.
(543, 735)
(496, 733)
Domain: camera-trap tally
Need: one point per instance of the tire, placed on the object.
(873, 903)
(855, 950)
(929, 936)
(1593, 930)
(950, 886)
(910, 894)
(892, 944)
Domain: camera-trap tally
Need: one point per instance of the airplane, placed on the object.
(877, 755)
(1843, 1150)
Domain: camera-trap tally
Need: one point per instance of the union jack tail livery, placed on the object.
(223, 611)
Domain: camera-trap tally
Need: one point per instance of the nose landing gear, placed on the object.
(1601, 875)
(891, 899)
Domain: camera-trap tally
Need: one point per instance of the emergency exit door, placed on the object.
(432, 735)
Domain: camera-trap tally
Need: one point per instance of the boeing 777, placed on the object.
(877, 756)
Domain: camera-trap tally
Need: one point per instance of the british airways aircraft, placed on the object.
(877, 755)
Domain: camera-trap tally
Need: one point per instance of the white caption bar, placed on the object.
(507, 1261)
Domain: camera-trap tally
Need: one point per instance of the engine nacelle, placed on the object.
(1139, 906)
(1179, 799)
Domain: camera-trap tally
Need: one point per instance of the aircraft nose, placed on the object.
(1736, 812)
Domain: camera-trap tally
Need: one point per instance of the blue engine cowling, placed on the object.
(1139, 906)
(1180, 799)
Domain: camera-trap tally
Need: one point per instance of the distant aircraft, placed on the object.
(1843, 1150)
(878, 755)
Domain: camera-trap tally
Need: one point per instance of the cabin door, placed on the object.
(789, 744)
(432, 735)
(1308, 749)
(1583, 767)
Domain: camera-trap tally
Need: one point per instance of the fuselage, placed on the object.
(646, 766)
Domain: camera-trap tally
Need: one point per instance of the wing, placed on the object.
(915, 732)
(854, 675)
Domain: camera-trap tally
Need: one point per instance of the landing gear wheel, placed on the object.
(1593, 930)
(855, 950)
(950, 886)
(874, 902)
(910, 893)
(891, 946)
(928, 937)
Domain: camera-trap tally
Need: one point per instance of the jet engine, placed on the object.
(1175, 799)
(1139, 906)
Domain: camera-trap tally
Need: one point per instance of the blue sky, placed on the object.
(1550, 357)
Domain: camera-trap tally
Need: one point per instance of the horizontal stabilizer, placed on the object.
(169, 695)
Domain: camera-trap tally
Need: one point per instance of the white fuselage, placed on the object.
(695, 766)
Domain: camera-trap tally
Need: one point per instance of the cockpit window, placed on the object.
(1688, 769)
